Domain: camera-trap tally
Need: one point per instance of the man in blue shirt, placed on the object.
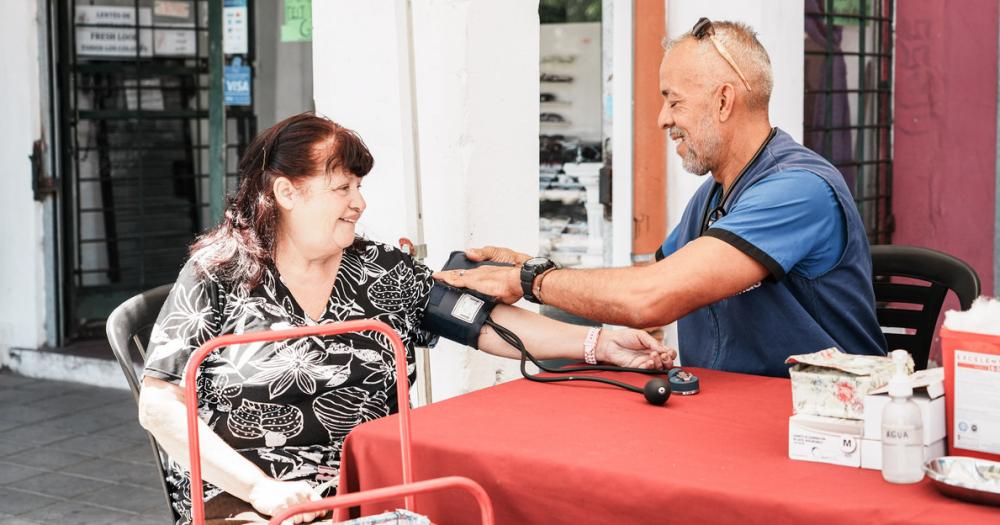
(770, 258)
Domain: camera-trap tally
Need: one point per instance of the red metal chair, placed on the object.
(408, 489)
(393, 492)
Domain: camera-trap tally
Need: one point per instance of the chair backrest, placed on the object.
(128, 328)
(915, 307)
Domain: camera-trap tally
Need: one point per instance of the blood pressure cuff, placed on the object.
(457, 313)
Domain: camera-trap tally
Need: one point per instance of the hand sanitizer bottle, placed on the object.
(902, 428)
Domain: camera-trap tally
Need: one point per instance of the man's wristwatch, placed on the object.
(531, 269)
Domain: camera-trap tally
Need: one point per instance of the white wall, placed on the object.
(477, 100)
(780, 28)
(22, 298)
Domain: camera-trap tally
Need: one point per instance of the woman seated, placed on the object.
(275, 415)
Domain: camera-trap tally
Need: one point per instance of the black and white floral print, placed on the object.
(287, 406)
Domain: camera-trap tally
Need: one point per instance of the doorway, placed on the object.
(132, 81)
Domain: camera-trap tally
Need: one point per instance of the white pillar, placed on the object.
(477, 102)
(623, 44)
(22, 275)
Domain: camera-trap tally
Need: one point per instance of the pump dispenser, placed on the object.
(902, 428)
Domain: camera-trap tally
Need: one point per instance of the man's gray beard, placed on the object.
(692, 161)
(699, 164)
(693, 164)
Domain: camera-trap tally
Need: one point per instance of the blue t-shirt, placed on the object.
(793, 217)
(791, 212)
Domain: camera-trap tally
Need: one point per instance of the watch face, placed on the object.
(535, 261)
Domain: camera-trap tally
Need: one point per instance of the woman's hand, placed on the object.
(633, 349)
(270, 496)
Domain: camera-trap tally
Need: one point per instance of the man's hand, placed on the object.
(270, 496)
(633, 349)
(501, 282)
(504, 283)
(496, 254)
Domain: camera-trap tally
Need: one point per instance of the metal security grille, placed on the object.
(133, 80)
(848, 100)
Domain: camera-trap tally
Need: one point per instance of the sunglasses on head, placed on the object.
(704, 28)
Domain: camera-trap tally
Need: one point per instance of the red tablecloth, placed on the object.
(588, 453)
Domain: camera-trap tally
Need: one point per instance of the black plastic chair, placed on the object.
(128, 328)
(916, 306)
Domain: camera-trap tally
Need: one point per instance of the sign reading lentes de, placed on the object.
(109, 31)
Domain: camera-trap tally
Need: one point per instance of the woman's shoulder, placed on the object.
(389, 258)
(194, 270)
(197, 270)
(375, 250)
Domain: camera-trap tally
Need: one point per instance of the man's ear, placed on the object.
(726, 99)
(284, 192)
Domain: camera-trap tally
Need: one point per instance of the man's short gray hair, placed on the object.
(740, 40)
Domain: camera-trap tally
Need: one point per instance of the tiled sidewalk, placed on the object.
(74, 454)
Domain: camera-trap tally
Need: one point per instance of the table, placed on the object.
(588, 453)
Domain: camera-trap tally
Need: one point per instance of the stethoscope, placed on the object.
(656, 390)
(710, 215)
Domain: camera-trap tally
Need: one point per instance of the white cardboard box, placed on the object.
(825, 439)
(931, 414)
(871, 452)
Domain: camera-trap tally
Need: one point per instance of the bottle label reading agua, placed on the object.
(901, 435)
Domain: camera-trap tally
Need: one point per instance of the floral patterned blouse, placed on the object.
(287, 406)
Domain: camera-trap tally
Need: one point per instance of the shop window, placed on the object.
(572, 219)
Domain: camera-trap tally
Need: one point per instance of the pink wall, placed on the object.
(945, 129)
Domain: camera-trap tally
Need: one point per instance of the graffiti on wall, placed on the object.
(920, 84)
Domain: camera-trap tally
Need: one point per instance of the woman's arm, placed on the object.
(550, 339)
(163, 413)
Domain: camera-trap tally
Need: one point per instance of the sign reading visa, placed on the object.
(236, 83)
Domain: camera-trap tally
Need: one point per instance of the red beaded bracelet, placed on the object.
(590, 345)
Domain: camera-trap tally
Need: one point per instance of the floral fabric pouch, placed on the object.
(834, 384)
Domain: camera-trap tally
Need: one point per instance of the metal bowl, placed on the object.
(970, 479)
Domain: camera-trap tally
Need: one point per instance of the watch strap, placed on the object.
(528, 275)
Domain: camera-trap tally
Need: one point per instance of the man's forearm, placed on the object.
(704, 271)
(622, 296)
